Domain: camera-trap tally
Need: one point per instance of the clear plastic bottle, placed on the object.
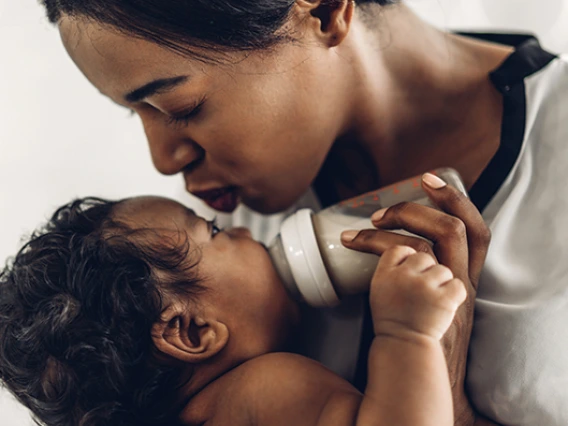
(309, 257)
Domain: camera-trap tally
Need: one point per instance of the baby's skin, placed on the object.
(239, 376)
(413, 301)
(214, 319)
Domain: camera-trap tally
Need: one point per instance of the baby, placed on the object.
(139, 312)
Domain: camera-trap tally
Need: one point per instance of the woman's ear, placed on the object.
(332, 17)
(188, 336)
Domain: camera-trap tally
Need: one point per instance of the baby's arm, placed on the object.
(413, 302)
(408, 384)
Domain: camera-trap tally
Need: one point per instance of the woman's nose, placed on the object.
(172, 151)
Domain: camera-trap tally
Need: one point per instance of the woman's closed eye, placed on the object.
(184, 117)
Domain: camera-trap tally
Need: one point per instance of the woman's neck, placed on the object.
(421, 98)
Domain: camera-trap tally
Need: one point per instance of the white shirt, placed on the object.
(518, 365)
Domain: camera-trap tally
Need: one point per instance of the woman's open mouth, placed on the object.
(223, 199)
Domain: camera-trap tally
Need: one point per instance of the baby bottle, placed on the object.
(309, 257)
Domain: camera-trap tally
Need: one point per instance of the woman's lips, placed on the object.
(222, 199)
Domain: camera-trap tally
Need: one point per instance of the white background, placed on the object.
(60, 139)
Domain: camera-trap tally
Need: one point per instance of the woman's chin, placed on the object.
(268, 205)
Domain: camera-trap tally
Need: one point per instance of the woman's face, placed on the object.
(255, 128)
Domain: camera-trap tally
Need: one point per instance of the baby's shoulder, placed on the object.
(287, 369)
(281, 389)
(285, 388)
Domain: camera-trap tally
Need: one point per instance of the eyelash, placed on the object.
(182, 119)
(214, 228)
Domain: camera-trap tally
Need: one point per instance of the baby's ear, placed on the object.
(188, 336)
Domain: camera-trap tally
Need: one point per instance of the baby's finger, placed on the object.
(455, 291)
(437, 275)
(420, 262)
(395, 256)
(446, 231)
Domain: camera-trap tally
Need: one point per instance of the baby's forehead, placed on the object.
(156, 220)
(155, 212)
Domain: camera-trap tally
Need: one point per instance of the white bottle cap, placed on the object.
(304, 257)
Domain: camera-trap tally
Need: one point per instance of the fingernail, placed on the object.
(433, 181)
(348, 236)
(378, 215)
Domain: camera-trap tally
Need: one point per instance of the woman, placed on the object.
(256, 102)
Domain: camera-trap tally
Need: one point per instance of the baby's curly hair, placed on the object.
(77, 304)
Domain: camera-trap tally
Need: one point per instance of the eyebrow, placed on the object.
(191, 215)
(189, 212)
(154, 87)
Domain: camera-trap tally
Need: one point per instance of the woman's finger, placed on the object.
(453, 202)
(458, 230)
(377, 241)
(448, 233)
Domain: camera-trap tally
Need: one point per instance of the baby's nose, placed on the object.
(240, 232)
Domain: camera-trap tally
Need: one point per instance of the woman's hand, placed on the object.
(460, 242)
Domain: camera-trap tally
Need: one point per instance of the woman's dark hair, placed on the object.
(77, 304)
(183, 25)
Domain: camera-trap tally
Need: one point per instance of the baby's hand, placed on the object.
(411, 292)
